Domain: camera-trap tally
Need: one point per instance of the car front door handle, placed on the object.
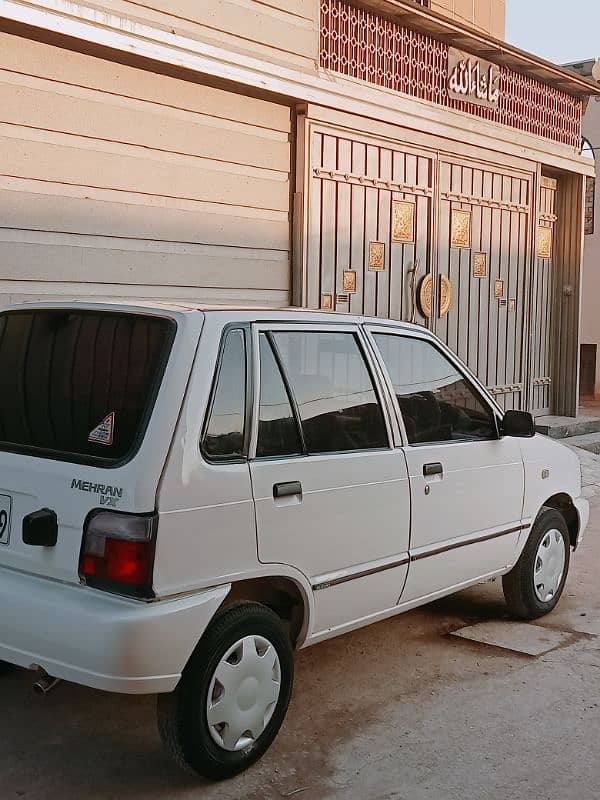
(429, 470)
(288, 489)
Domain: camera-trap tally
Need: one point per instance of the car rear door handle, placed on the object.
(429, 470)
(289, 489)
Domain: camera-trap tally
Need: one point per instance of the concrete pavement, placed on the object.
(398, 711)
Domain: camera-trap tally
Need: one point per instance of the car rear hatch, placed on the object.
(89, 399)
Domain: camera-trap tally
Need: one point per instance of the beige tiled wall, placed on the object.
(487, 15)
(124, 182)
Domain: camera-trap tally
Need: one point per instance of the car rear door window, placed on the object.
(438, 404)
(337, 404)
(278, 433)
(226, 425)
(79, 385)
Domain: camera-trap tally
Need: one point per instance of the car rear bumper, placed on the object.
(583, 512)
(99, 640)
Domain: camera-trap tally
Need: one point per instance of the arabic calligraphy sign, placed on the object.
(472, 79)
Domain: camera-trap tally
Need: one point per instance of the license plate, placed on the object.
(5, 509)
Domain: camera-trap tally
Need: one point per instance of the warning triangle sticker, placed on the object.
(103, 433)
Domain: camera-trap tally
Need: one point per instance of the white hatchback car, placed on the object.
(187, 495)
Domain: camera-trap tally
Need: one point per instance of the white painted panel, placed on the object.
(354, 509)
(357, 599)
(479, 493)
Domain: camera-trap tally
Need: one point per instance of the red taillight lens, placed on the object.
(118, 552)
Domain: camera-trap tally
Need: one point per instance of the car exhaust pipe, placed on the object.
(45, 684)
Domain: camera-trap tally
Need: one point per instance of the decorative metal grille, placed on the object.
(363, 45)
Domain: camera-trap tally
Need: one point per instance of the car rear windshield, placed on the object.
(79, 385)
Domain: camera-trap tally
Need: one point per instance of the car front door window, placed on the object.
(438, 404)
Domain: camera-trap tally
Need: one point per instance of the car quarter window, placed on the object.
(437, 403)
(224, 434)
(337, 404)
(277, 427)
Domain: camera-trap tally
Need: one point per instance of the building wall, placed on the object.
(119, 181)
(486, 15)
(590, 320)
(283, 31)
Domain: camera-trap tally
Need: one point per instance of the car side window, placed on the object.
(277, 427)
(337, 404)
(224, 433)
(437, 403)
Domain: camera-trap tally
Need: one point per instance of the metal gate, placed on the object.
(542, 302)
(369, 224)
(483, 261)
(398, 233)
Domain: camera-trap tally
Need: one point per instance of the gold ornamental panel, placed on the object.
(349, 282)
(327, 302)
(445, 295)
(461, 228)
(499, 290)
(480, 265)
(425, 295)
(377, 256)
(549, 183)
(403, 221)
(512, 304)
(544, 242)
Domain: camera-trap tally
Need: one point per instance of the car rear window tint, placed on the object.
(338, 407)
(79, 385)
(277, 428)
(225, 430)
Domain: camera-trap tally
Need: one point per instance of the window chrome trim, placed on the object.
(340, 576)
(438, 548)
(332, 579)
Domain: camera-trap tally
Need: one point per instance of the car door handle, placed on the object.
(289, 489)
(432, 469)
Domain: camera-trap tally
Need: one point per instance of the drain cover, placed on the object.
(520, 637)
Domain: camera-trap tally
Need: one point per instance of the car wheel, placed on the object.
(534, 586)
(233, 695)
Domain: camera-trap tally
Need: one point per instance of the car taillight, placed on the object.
(117, 552)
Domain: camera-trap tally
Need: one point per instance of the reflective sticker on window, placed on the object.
(103, 433)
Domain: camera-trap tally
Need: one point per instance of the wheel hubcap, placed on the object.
(549, 566)
(243, 693)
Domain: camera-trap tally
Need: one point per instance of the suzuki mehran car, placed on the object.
(188, 495)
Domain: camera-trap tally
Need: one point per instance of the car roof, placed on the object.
(235, 312)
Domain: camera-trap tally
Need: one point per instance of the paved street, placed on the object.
(399, 710)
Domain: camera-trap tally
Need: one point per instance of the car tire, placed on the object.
(534, 586)
(256, 694)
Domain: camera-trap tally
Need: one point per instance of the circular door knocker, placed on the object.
(425, 295)
(445, 295)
